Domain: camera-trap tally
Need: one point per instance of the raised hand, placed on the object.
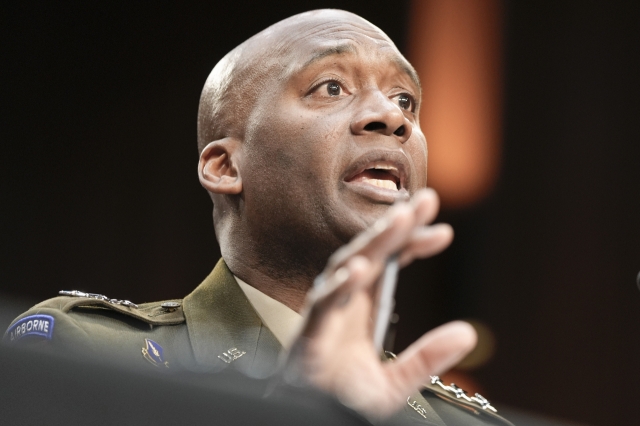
(335, 350)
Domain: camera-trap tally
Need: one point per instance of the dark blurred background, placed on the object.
(98, 106)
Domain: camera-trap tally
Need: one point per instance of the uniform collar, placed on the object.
(225, 330)
(283, 321)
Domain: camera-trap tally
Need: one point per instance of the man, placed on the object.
(311, 149)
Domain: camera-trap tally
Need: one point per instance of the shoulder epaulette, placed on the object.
(166, 312)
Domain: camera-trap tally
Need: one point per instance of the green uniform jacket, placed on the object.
(213, 328)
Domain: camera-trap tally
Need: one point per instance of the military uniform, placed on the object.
(213, 328)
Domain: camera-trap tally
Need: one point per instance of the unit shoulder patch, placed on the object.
(32, 325)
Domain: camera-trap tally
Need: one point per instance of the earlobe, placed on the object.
(218, 167)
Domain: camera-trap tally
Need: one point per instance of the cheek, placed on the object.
(302, 140)
(418, 155)
(288, 151)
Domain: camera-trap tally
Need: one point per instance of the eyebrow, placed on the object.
(409, 70)
(348, 48)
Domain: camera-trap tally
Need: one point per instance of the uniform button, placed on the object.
(170, 306)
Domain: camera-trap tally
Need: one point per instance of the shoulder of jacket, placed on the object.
(165, 312)
(77, 322)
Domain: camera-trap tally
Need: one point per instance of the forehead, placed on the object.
(304, 42)
(343, 28)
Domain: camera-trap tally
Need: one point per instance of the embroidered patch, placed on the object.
(33, 325)
(154, 353)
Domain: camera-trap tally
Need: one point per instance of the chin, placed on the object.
(356, 221)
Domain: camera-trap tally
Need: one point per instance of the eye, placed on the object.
(330, 88)
(333, 88)
(405, 102)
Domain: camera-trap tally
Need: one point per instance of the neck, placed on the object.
(290, 291)
(278, 263)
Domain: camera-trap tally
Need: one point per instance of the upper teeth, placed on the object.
(383, 167)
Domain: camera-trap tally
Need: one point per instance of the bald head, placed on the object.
(230, 92)
(307, 132)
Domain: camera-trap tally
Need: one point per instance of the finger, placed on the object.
(380, 241)
(335, 295)
(426, 242)
(432, 354)
(340, 280)
(426, 205)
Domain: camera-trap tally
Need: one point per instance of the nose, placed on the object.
(379, 114)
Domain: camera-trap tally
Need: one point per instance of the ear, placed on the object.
(218, 167)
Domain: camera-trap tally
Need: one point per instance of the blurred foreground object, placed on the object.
(52, 390)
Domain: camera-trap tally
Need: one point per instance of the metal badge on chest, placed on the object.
(153, 353)
(231, 355)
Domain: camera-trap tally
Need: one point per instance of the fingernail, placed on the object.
(320, 282)
(380, 225)
(341, 275)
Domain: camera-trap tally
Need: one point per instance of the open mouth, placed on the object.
(381, 175)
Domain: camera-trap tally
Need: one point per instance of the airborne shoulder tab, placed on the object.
(32, 325)
(168, 312)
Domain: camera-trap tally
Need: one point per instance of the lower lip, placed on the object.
(376, 194)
